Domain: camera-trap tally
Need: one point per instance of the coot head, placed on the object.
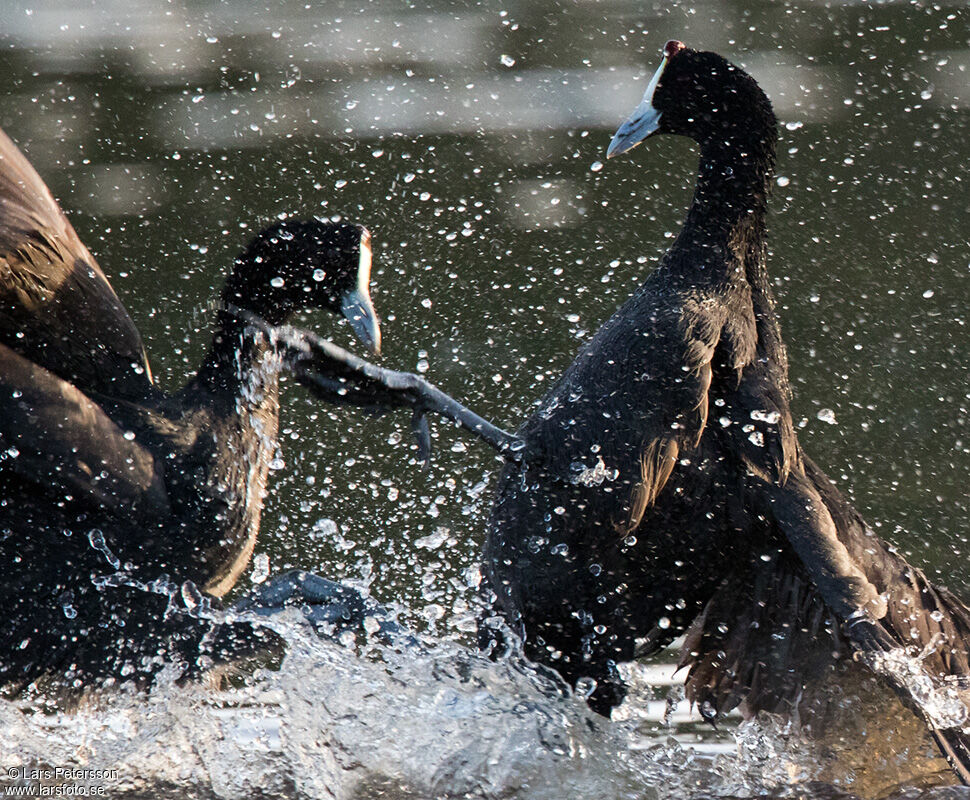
(299, 264)
(697, 94)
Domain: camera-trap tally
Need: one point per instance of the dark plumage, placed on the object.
(663, 488)
(116, 499)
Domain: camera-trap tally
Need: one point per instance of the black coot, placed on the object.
(663, 487)
(118, 502)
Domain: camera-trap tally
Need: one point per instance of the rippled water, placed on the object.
(470, 138)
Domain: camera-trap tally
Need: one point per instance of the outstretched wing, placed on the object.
(52, 434)
(770, 630)
(762, 637)
(56, 305)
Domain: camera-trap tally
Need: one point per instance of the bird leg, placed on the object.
(330, 607)
(339, 376)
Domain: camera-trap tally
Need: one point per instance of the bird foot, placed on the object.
(332, 608)
(340, 377)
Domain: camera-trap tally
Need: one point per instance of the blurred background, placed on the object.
(470, 138)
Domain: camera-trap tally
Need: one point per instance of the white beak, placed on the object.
(642, 122)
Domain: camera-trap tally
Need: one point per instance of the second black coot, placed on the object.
(663, 488)
(121, 505)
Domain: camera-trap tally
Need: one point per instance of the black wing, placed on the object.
(770, 630)
(56, 305)
(53, 436)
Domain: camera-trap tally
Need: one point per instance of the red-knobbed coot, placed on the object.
(113, 492)
(125, 511)
(663, 489)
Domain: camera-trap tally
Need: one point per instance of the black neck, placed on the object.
(237, 393)
(729, 208)
(235, 363)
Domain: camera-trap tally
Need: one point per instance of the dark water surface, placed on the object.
(470, 138)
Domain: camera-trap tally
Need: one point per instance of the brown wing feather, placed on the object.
(52, 433)
(656, 465)
(767, 637)
(659, 456)
(56, 305)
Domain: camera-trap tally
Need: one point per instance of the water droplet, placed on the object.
(96, 538)
(760, 415)
(191, 595)
(260, 568)
(67, 604)
(507, 60)
(827, 415)
(596, 166)
(434, 540)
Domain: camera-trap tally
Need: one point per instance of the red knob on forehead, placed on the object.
(673, 47)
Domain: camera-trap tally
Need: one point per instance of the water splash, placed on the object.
(432, 721)
(941, 702)
(592, 476)
(96, 538)
(416, 720)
